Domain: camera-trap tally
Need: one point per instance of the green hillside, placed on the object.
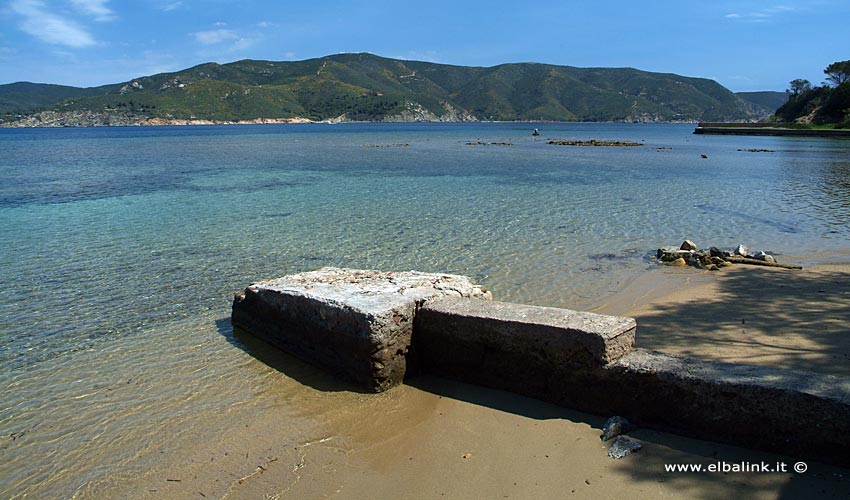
(367, 87)
(26, 96)
(770, 100)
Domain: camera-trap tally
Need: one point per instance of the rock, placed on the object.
(742, 250)
(622, 447)
(688, 245)
(713, 267)
(716, 252)
(680, 262)
(669, 254)
(720, 262)
(615, 426)
(760, 255)
(695, 260)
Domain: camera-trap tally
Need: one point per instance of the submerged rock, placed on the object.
(623, 446)
(614, 427)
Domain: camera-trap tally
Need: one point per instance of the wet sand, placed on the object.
(434, 438)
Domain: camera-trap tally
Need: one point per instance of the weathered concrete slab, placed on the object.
(525, 349)
(801, 414)
(355, 323)
(578, 337)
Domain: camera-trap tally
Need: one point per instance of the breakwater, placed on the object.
(377, 328)
(768, 129)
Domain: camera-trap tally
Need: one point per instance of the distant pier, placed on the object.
(773, 129)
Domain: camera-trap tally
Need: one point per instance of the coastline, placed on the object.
(85, 119)
(52, 119)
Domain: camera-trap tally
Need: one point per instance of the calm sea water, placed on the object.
(121, 249)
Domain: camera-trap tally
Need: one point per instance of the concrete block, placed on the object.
(525, 349)
(801, 414)
(354, 323)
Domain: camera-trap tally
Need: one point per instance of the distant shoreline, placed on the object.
(765, 129)
(96, 120)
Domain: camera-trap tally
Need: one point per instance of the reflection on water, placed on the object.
(122, 247)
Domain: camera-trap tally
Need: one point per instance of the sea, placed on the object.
(121, 249)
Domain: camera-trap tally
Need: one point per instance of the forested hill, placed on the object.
(766, 102)
(23, 96)
(366, 87)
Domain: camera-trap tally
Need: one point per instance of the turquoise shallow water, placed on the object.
(122, 247)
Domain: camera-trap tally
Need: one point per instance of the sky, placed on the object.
(745, 45)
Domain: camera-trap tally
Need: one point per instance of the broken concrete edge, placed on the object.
(368, 291)
(355, 323)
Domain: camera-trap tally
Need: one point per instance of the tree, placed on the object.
(838, 72)
(799, 86)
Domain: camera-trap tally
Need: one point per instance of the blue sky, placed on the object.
(744, 45)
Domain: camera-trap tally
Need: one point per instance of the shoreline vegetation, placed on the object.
(88, 119)
(56, 119)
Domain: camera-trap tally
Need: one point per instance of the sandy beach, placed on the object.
(435, 438)
(745, 314)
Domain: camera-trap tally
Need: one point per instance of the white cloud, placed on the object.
(760, 16)
(243, 43)
(265, 24)
(96, 8)
(48, 26)
(168, 7)
(215, 36)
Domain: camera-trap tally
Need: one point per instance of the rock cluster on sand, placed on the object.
(714, 258)
(616, 427)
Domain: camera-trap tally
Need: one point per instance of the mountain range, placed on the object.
(366, 87)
